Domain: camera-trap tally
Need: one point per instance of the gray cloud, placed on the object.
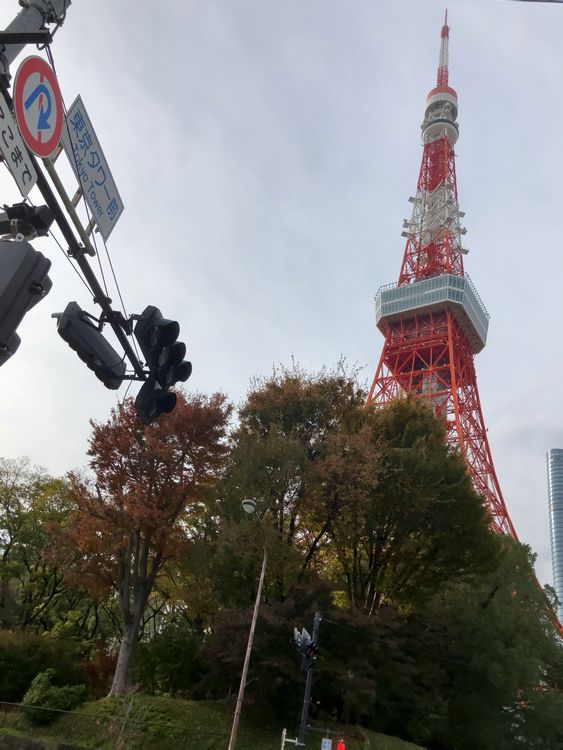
(265, 153)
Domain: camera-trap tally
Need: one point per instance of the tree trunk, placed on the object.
(121, 684)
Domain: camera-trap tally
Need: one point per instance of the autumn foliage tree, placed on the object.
(141, 504)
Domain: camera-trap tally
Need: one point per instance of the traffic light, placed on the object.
(310, 656)
(25, 220)
(152, 401)
(23, 282)
(77, 328)
(306, 647)
(164, 355)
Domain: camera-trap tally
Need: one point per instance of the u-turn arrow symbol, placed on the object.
(43, 121)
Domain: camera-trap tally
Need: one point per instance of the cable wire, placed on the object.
(74, 268)
(119, 294)
(89, 217)
(126, 391)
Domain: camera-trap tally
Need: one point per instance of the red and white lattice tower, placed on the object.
(433, 319)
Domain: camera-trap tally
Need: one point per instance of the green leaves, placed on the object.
(498, 630)
(434, 626)
(409, 520)
(44, 695)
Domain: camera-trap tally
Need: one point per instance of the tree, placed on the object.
(373, 502)
(399, 508)
(18, 484)
(375, 498)
(363, 672)
(33, 592)
(285, 428)
(501, 658)
(143, 503)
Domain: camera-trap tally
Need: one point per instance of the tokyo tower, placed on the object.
(433, 319)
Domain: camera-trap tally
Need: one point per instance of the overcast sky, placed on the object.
(265, 153)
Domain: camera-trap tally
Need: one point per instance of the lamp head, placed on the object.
(249, 506)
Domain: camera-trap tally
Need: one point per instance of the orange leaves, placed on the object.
(126, 521)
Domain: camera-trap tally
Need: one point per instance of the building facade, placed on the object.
(555, 499)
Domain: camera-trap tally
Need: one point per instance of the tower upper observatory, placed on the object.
(441, 103)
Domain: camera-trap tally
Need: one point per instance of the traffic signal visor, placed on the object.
(77, 328)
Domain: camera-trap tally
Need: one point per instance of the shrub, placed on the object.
(169, 662)
(44, 695)
(23, 655)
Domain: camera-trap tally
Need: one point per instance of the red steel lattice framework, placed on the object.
(433, 320)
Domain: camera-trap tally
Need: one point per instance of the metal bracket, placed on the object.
(118, 317)
(26, 37)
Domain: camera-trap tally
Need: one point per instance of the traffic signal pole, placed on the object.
(30, 20)
(308, 685)
(76, 251)
(165, 364)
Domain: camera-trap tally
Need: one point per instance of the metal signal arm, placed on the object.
(113, 317)
(31, 19)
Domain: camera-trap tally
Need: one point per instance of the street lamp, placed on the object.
(249, 506)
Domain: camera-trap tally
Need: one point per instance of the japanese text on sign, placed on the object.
(83, 149)
(14, 151)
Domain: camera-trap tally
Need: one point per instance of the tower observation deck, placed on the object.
(433, 319)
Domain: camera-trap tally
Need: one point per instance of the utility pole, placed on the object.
(309, 683)
(157, 336)
(31, 19)
(249, 507)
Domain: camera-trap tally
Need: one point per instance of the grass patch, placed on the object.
(144, 722)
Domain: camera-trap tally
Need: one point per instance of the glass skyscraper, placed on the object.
(555, 496)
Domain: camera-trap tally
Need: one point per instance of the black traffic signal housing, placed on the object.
(309, 657)
(164, 355)
(23, 282)
(25, 220)
(152, 401)
(80, 332)
(308, 648)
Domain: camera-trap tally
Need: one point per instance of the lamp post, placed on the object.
(249, 506)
